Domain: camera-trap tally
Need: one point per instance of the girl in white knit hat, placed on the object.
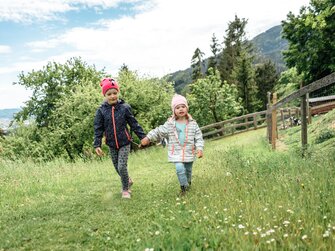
(184, 138)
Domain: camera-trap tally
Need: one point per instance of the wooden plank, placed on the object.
(325, 81)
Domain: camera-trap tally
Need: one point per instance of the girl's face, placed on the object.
(180, 111)
(112, 95)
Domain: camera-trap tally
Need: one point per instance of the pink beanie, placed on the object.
(108, 83)
(178, 100)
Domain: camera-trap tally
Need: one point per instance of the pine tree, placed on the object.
(213, 61)
(244, 75)
(266, 78)
(197, 64)
(234, 43)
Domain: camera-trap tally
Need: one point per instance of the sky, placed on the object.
(152, 37)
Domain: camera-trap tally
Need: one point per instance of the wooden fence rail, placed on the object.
(235, 125)
(286, 117)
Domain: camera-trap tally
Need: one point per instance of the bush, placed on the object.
(325, 135)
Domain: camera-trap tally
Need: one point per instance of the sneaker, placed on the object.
(183, 190)
(126, 194)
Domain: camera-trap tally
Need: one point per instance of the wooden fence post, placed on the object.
(255, 121)
(274, 123)
(304, 121)
(268, 118)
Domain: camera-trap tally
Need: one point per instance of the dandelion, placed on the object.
(304, 237)
(326, 234)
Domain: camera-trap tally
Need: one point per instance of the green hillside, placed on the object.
(244, 196)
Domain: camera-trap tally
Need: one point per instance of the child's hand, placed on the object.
(99, 151)
(145, 141)
(199, 154)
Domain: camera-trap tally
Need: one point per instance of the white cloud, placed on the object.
(164, 38)
(43, 10)
(5, 49)
(157, 41)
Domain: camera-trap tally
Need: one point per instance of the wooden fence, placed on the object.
(235, 125)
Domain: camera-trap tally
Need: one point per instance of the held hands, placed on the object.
(145, 141)
(200, 154)
(99, 151)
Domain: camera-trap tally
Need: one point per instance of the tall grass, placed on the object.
(243, 197)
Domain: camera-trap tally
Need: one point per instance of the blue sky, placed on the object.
(154, 37)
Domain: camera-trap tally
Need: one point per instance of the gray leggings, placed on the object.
(120, 159)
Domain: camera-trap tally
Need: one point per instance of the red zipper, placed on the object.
(115, 137)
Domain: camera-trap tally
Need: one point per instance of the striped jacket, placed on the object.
(176, 151)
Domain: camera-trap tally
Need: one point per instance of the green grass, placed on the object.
(243, 197)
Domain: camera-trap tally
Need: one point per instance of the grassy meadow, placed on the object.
(244, 196)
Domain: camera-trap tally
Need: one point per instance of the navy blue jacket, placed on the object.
(111, 121)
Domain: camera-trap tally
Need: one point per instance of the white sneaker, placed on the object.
(126, 194)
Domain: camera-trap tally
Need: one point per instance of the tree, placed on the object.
(266, 78)
(311, 38)
(212, 101)
(213, 61)
(197, 64)
(50, 84)
(244, 77)
(234, 42)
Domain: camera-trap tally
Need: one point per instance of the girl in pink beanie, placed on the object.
(184, 138)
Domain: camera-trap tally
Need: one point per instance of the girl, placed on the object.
(184, 138)
(111, 119)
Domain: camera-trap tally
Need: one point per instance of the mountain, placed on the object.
(8, 113)
(6, 116)
(268, 45)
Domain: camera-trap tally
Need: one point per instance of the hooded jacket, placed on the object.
(176, 151)
(111, 121)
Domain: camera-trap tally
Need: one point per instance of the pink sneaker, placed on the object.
(126, 194)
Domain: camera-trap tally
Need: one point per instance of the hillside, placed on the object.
(244, 196)
(268, 44)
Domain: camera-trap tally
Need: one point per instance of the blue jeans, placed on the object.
(184, 172)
